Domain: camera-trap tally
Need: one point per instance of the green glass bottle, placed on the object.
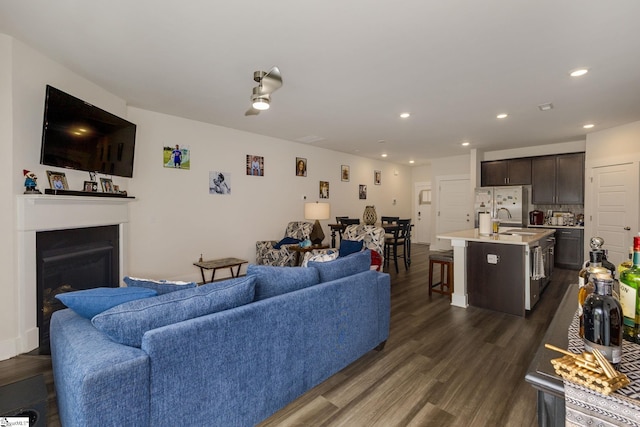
(630, 297)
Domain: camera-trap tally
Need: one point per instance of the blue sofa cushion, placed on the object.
(127, 323)
(348, 247)
(89, 302)
(274, 281)
(343, 266)
(160, 286)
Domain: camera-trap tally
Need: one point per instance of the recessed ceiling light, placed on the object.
(579, 72)
(502, 116)
(384, 155)
(405, 115)
(588, 126)
(545, 107)
(411, 161)
(465, 144)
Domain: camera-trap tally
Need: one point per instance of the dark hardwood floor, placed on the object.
(442, 365)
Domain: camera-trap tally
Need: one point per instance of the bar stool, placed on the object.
(445, 260)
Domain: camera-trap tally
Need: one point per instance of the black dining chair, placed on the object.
(400, 238)
(389, 219)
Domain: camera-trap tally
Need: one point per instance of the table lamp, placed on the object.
(316, 211)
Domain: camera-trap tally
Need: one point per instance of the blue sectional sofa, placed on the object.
(160, 361)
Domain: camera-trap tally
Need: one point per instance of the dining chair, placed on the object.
(400, 238)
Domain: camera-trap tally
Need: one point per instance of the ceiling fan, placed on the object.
(268, 83)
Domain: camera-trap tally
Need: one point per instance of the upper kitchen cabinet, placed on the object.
(505, 172)
(558, 180)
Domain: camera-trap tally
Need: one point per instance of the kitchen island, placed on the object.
(505, 272)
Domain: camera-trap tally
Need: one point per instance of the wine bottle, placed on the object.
(629, 296)
(624, 265)
(603, 322)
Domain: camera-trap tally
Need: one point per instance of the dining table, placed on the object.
(388, 228)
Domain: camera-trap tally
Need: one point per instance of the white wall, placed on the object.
(175, 219)
(24, 74)
(621, 143)
(8, 293)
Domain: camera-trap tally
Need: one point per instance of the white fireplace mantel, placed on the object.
(38, 212)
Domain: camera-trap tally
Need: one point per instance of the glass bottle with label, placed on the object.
(603, 320)
(629, 296)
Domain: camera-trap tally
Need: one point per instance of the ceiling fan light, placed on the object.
(260, 104)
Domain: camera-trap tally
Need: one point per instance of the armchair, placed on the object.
(268, 253)
(372, 237)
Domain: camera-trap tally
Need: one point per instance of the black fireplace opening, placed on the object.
(72, 260)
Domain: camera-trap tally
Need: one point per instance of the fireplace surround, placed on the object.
(37, 213)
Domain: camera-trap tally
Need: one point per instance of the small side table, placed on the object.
(298, 250)
(216, 264)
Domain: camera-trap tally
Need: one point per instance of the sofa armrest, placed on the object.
(98, 381)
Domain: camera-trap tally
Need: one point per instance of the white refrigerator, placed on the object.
(509, 204)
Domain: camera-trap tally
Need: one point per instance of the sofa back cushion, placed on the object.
(273, 281)
(128, 322)
(160, 286)
(89, 302)
(343, 266)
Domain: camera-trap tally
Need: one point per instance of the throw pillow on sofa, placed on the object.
(160, 286)
(127, 323)
(343, 266)
(319, 255)
(89, 302)
(348, 247)
(273, 281)
(286, 241)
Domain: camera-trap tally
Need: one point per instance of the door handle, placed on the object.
(628, 228)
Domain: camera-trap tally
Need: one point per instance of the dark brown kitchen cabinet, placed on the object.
(497, 278)
(558, 180)
(568, 250)
(505, 172)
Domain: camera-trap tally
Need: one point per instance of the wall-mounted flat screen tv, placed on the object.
(78, 135)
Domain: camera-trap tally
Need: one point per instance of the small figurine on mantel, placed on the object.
(30, 182)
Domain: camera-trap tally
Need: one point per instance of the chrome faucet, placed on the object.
(503, 209)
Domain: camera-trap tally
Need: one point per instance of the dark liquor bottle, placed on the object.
(586, 277)
(630, 296)
(603, 320)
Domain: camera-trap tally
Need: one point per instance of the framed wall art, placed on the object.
(377, 177)
(57, 180)
(362, 192)
(344, 173)
(255, 165)
(176, 157)
(301, 166)
(219, 182)
(324, 189)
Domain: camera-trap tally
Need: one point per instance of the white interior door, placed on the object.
(615, 208)
(422, 214)
(453, 210)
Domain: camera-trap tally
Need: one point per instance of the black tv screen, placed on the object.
(78, 135)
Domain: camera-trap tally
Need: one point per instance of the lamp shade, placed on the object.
(317, 210)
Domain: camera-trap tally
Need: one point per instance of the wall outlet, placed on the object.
(492, 258)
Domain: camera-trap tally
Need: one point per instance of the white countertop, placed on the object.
(576, 227)
(472, 235)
